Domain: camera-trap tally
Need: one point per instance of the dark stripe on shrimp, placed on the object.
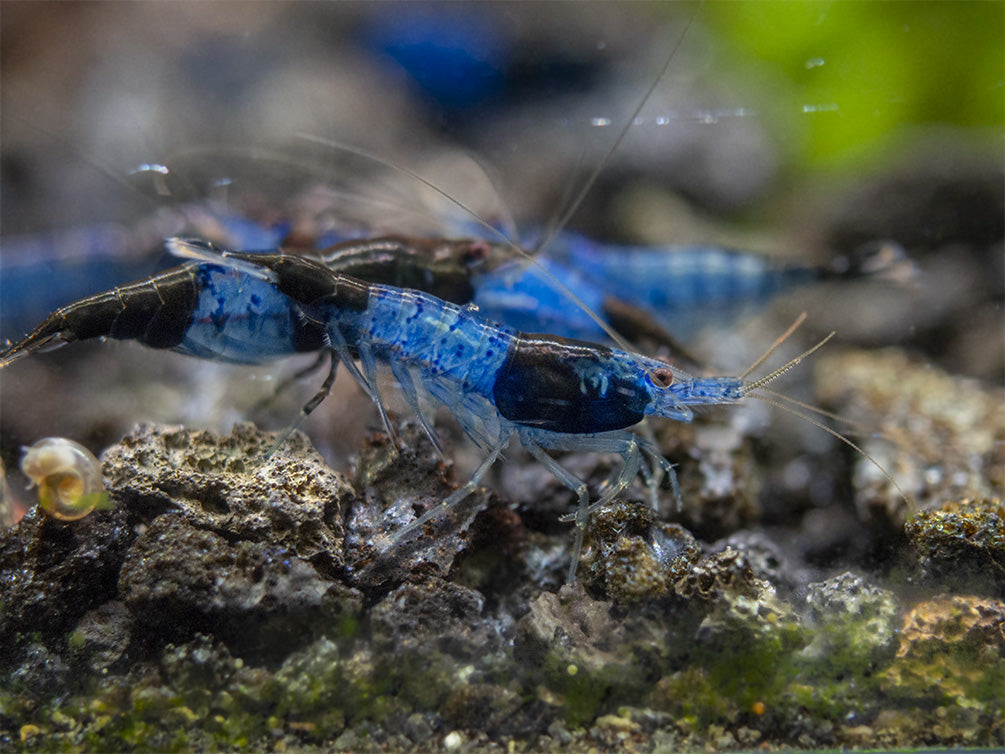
(544, 383)
(169, 323)
(157, 312)
(440, 267)
(309, 282)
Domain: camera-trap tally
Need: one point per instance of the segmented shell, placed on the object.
(67, 475)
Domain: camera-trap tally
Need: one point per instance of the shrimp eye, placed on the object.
(662, 377)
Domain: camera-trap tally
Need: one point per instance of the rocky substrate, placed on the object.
(227, 601)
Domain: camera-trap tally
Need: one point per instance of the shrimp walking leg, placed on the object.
(575, 484)
(624, 444)
(284, 384)
(457, 495)
(368, 382)
(316, 400)
(369, 364)
(403, 375)
(661, 468)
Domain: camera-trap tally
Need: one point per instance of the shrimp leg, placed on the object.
(308, 407)
(457, 495)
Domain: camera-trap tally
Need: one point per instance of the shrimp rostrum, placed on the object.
(552, 393)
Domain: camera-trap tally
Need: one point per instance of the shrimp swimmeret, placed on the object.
(551, 393)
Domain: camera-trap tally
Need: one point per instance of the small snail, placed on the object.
(68, 477)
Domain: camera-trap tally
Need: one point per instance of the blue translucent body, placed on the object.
(682, 287)
(240, 319)
(524, 296)
(675, 278)
(444, 340)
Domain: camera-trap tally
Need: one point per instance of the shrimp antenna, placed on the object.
(859, 426)
(564, 218)
(782, 402)
(834, 433)
(774, 346)
(751, 387)
(259, 154)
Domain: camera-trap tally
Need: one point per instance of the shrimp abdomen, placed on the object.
(156, 311)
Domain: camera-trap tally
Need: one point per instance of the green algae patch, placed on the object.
(951, 654)
(853, 630)
(763, 665)
(741, 660)
(569, 643)
(835, 672)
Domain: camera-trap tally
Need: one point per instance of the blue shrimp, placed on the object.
(643, 293)
(675, 289)
(221, 313)
(42, 272)
(552, 393)
(203, 310)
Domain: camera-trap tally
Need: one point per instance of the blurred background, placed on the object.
(780, 90)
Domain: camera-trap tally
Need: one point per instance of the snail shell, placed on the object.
(67, 475)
